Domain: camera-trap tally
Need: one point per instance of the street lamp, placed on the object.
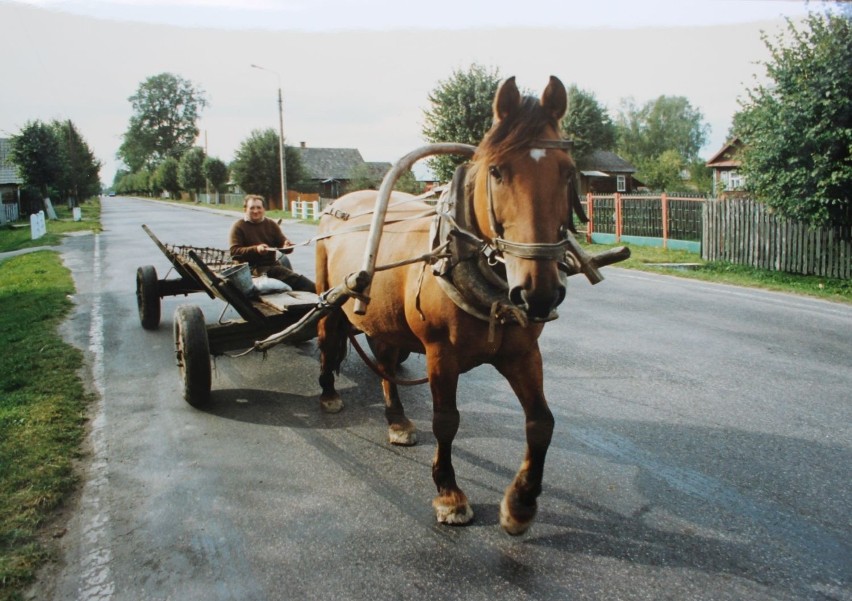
(280, 137)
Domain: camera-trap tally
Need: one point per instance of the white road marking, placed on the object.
(96, 555)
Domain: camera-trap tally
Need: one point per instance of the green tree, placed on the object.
(797, 129)
(166, 177)
(663, 173)
(667, 123)
(364, 178)
(407, 182)
(38, 156)
(166, 108)
(256, 167)
(460, 111)
(190, 173)
(80, 173)
(587, 123)
(216, 172)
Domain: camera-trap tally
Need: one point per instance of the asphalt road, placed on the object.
(702, 451)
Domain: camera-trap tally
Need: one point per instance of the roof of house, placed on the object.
(378, 169)
(8, 170)
(606, 161)
(726, 156)
(329, 163)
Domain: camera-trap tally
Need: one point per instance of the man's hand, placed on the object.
(263, 248)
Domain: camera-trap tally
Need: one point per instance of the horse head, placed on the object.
(522, 172)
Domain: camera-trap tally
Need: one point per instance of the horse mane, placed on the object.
(515, 132)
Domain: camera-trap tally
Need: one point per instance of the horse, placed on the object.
(516, 191)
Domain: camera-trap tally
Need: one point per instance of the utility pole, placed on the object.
(280, 138)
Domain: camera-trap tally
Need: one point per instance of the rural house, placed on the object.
(10, 184)
(725, 165)
(604, 172)
(331, 169)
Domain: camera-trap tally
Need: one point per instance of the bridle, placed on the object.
(549, 251)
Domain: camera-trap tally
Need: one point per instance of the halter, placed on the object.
(555, 251)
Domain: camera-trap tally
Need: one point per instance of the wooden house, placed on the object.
(604, 172)
(725, 164)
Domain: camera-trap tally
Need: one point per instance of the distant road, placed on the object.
(702, 451)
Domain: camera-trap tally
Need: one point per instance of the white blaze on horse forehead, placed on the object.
(538, 153)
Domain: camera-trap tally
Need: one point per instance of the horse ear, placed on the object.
(555, 99)
(507, 99)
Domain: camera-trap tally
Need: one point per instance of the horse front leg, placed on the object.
(451, 504)
(518, 507)
(331, 332)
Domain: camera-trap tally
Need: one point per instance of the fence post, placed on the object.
(590, 213)
(617, 203)
(664, 204)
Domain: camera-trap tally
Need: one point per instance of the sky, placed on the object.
(357, 73)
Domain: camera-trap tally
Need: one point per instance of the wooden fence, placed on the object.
(651, 220)
(743, 231)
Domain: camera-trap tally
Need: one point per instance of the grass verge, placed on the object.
(42, 399)
(17, 236)
(660, 260)
(42, 410)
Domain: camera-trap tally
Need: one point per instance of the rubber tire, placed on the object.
(148, 297)
(192, 350)
(403, 355)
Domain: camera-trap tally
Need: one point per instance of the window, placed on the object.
(620, 183)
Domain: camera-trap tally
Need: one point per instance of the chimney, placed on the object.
(303, 144)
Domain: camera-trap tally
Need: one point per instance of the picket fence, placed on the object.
(745, 232)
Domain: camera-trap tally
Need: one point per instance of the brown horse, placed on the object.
(519, 190)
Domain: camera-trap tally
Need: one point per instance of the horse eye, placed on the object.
(494, 171)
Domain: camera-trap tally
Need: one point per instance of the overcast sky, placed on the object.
(357, 73)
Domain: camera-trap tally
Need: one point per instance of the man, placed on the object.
(255, 240)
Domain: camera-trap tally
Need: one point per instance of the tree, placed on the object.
(460, 112)
(166, 177)
(587, 123)
(797, 130)
(668, 123)
(216, 172)
(256, 167)
(166, 108)
(364, 178)
(190, 174)
(37, 154)
(80, 170)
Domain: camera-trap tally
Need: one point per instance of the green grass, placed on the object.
(42, 410)
(17, 236)
(645, 258)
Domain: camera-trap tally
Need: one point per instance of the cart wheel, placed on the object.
(403, 355)
(192, 350)
(148, 297)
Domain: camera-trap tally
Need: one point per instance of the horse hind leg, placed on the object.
(401, 430)
(331, 332)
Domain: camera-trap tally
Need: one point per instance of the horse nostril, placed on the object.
(561, 296)
(516, 295)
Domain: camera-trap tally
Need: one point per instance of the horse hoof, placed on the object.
(515, 524)
(404, 436)
(452, 513)
(332, 405)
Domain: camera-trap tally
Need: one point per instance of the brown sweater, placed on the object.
(245, 236)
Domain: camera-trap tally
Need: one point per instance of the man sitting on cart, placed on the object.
(256, 240)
